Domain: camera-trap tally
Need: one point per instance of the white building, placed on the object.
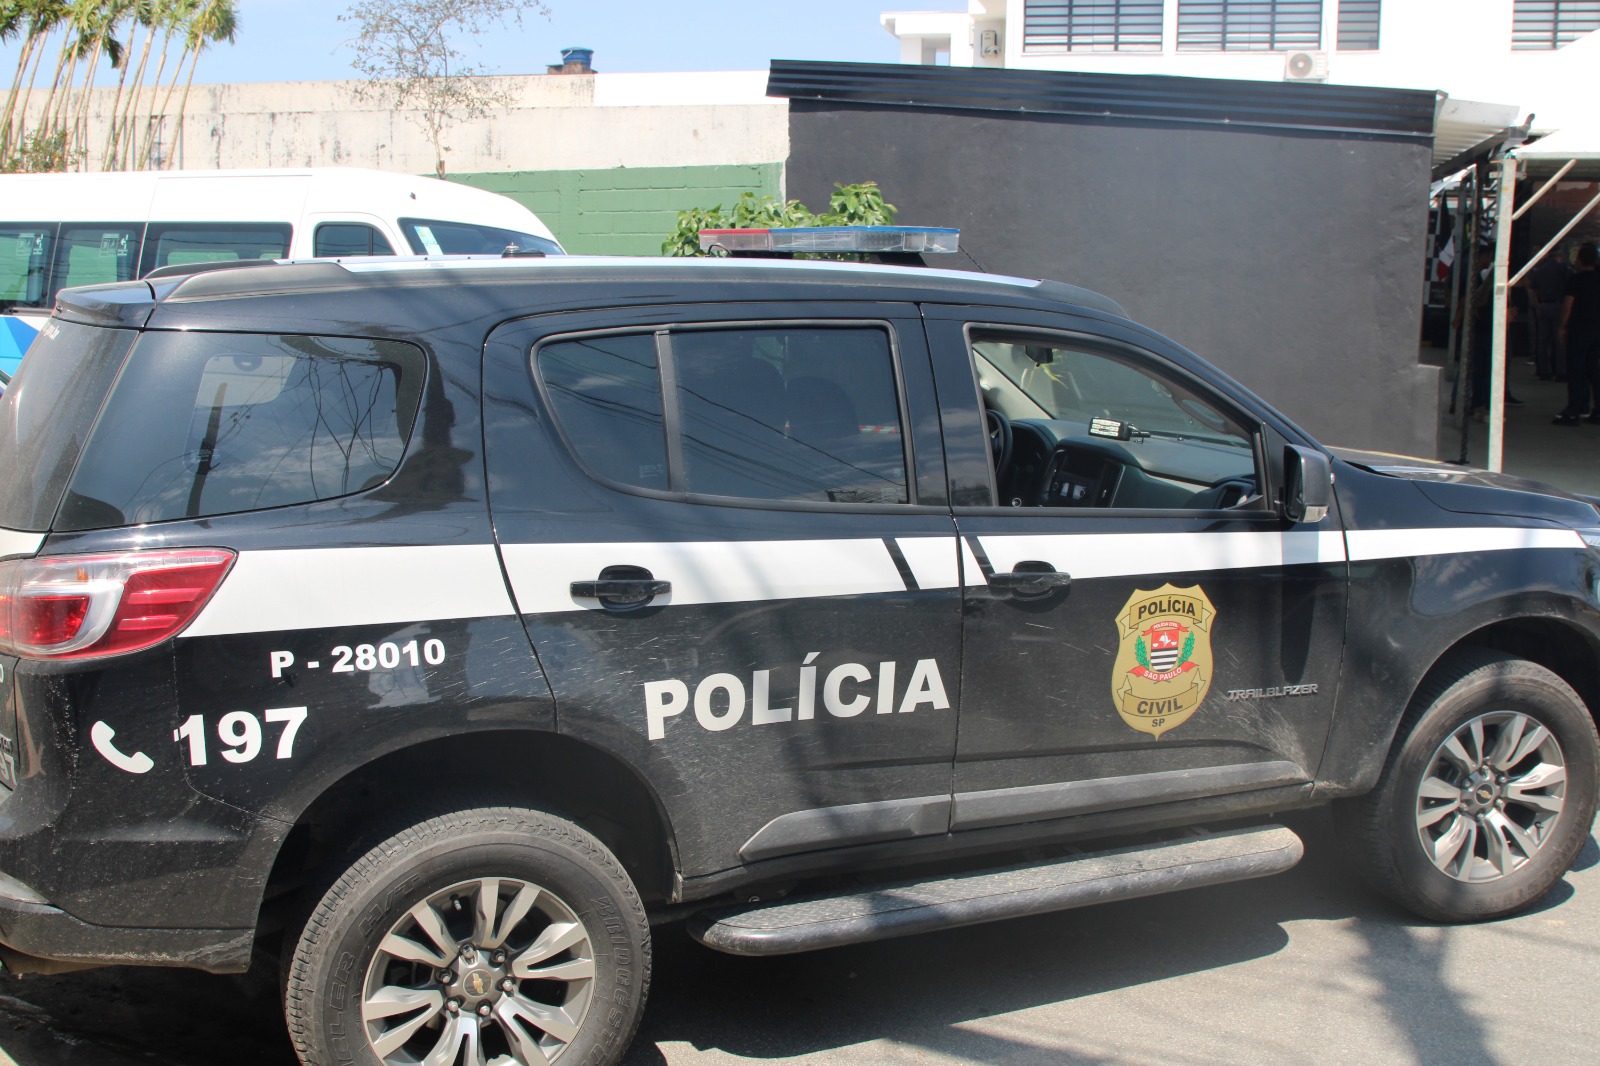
(1542, 55)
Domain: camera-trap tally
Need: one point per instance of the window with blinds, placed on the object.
(1358, 25)
(1547, 24)
(1092, 26)
(1249, 25)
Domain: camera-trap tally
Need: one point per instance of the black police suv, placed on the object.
(447, 622)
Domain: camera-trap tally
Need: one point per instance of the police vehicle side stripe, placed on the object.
(932, 561)
(269, 591)
(707, 571)
(1368, 544)
(1092, 555)
(13, 542)
(317, 588)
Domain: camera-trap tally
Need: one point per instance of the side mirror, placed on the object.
(1307, 484)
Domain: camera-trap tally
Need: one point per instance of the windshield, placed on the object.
(1028, 380)
(432, 237)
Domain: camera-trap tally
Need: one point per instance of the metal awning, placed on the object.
(1571, 153)
(1465, 131)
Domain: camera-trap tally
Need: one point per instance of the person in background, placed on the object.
(1579, 331)
(1547, 284)
(1482, 355)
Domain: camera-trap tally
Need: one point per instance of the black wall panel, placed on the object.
(1291, 258)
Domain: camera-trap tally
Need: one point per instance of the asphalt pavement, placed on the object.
(1305, 967)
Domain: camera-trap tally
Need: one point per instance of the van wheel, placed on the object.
(496, 934)
(1487, 796)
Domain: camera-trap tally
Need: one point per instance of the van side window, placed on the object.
(348, 238)
(95, 254)
(213, 242)
(25, 249)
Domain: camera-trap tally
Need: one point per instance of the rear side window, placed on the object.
(25, 249)
(348, 238)
(801, 413)
(96, 254)
(168, 243)
(206, 424)
(46, 414)
(606, 392)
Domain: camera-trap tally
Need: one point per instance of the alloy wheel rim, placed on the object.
(1491, 796)
(492, 971)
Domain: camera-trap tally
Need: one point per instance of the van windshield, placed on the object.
(46, 414)
(433, 237)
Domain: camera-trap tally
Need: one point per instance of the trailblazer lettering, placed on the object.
(1270, 693)
(849, 689)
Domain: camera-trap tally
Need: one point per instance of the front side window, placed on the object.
(206, 424)
(428, 236)
(1092, 26)
(1249, 25)
(1096, 428)
(803, 414)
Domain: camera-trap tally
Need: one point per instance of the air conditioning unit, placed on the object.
(1305, 66)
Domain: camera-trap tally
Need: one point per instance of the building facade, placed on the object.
(1540, 54)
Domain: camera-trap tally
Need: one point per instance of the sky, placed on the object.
(301, 40)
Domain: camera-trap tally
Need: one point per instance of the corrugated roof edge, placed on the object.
(1406, 114)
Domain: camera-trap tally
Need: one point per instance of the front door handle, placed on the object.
(622, 587)
(1031, 578)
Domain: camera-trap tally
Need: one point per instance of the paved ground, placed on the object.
(1303, 968)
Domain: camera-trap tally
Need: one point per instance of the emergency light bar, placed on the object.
(873, 240)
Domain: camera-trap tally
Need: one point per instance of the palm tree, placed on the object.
(210, 21)
(41, 18)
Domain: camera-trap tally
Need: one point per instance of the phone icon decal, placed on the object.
(101, 735)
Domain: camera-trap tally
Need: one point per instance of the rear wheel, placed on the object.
(1487, 796)
(496, 935)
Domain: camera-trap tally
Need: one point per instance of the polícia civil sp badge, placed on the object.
(1163, 666)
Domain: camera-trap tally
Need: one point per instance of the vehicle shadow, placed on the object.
(917, 993)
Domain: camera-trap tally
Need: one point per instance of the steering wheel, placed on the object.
(999, 439)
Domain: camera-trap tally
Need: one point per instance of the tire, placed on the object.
(482, 931)
(1487, 795)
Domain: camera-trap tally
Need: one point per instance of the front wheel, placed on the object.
(495, 935)
(1487, 796)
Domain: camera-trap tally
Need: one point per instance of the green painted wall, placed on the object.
(625, 210)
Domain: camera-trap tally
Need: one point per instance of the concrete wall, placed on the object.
(607, 160)
(1289, 260)
(625, 210)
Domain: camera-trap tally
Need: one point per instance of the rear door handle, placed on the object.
(1031, 578)
(622, 587)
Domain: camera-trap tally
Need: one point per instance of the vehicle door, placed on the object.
(728, 536)
(1142, 626)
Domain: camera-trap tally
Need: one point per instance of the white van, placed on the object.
(60, 230)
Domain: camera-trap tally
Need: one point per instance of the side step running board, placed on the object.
(904, 908)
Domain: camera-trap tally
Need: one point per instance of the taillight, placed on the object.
(87, 606)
